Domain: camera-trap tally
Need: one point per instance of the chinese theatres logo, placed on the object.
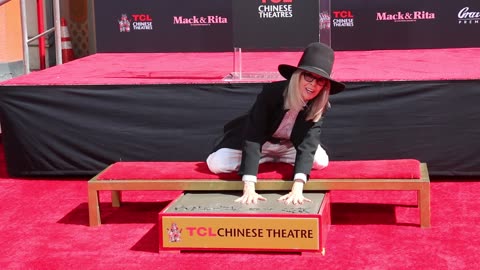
(174, 233)
(124, 23)
(324, 20)
(274, 9)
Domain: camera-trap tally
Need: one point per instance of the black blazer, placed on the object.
(249, 132)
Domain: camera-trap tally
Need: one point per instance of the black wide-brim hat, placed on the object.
(318, 59)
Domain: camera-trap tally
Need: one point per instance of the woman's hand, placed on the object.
(249, 195)
(296, 195)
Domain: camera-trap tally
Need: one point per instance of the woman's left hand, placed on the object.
(296, 195)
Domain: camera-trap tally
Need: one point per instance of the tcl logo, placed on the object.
(343, 14)
(276, 1)
(141, 17)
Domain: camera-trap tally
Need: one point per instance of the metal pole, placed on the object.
(41, 34)
(237, 62)
(26, 55)
(41, 29)
(58, 32)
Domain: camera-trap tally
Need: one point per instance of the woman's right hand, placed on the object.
(249, 195)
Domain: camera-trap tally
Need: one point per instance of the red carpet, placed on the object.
(378, 169)
(44, 225)
(350, 66)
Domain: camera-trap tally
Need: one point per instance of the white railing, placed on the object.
(25, 40)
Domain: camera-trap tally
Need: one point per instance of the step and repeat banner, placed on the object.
(209, 25)
(220, 25)
(163, 25)
(405, 24)
(279, 24)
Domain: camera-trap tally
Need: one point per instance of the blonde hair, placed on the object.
(294, 100)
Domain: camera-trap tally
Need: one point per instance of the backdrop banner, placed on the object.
(284, 25)
(275, 24)
(406, 24)
(163, 26)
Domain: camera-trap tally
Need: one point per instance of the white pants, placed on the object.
(226, 160)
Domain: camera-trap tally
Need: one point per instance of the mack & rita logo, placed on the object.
(200, 20)
(405, 16)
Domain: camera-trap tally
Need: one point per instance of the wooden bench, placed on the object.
(400, 174)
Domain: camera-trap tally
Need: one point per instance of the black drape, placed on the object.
(65, 130)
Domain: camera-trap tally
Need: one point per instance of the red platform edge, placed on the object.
(361, 169)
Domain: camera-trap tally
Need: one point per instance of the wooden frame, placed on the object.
(422, 186)
(318, 221)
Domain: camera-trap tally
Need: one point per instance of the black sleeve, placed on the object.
(255, 134)
(307, 148)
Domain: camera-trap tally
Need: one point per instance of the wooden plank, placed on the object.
(422, 186)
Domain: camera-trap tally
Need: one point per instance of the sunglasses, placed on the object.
(310, 78)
